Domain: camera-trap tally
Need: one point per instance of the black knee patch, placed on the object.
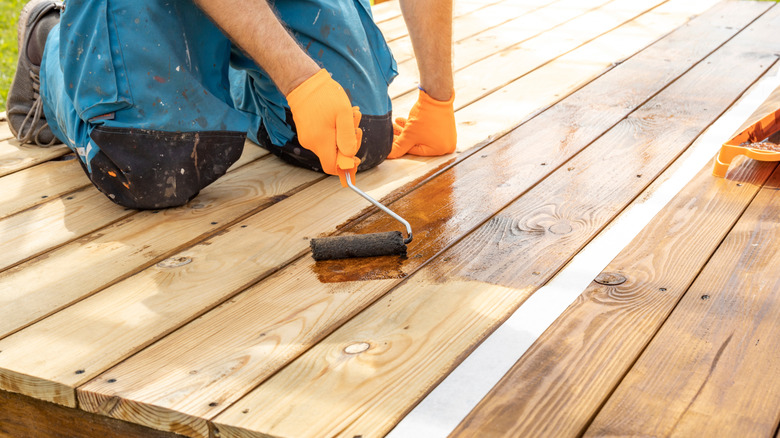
(145, 169)
(374, 148)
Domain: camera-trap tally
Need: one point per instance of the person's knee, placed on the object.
(145, 169)
(374, 148)
(377, 140)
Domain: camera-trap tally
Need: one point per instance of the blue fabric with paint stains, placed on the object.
(164, 66)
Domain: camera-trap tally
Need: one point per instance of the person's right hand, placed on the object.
(327, 123)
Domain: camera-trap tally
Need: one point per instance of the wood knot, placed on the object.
(610, 279)
(560, 228)
(357, 348)
(174, 262)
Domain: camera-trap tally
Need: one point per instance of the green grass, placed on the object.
(9, 13)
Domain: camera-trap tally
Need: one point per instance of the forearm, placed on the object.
(253, 26)
(430, 28)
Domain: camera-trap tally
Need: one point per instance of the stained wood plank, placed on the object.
(22, 416)
(565, 377)
(419, 331)
(269, 241)
(145, 384)
(712, 367)
(70, 216)
(599, 337)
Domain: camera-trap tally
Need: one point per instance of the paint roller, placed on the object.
(364, 245)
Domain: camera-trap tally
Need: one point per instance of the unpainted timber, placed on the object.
(22, 417)
(488, 31)
(617, 45)
(375, 367)
(39, 287)
(74, 215)
(15, 156)
(141, 380)
(395, 28)
(526, 33)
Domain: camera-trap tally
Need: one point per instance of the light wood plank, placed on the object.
(395, 28)
(142, 388)
(593, 56)
(15, 156)
(73, 215)
(66, 218)
(22, 416)
(421, 329)
(494, 43)
(41, 183)
(712, 367)
(385, 11)
(269, 241)
(5, 130)
(473, 25)
(36, 288)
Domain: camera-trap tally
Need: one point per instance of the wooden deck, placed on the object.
(587, 130)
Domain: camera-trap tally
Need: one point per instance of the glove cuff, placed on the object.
(428, 100)
(302, 91)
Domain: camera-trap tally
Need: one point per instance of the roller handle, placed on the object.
(381, 207)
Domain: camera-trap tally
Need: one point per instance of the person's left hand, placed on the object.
(429, 130)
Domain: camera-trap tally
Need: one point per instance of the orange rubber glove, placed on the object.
(327, 124)
(429, 130)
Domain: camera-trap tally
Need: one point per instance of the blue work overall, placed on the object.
(157, 102)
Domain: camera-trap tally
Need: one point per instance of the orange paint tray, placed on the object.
(757, 132)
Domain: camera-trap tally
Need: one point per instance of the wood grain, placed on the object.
(395, 28)
(15, 156)
(140, 402)
(466, 196)
(36, 288)
(492, 49)
(712, 369)
(559, 384)
(22, 416)
(270, 240)
(36, 185)
(5, 130)
(483, 32)
(421, 329)
(594, 56)
(59, 220)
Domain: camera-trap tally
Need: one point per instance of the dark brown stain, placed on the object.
(360, 269)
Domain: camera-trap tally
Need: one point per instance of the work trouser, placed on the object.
(157, 102)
